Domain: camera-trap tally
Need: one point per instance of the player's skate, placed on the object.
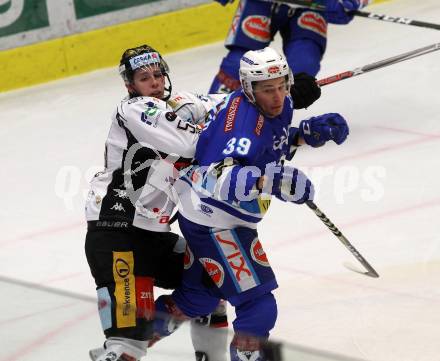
(119, 349)
(248, 348)
(246, 355)
(95, 352)
(209, 335)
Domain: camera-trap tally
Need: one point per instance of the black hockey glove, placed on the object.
(305, 91)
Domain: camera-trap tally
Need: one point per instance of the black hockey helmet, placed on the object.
(142, 56)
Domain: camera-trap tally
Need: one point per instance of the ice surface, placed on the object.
(381, 188)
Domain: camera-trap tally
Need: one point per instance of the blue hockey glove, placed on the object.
(224, 2)
(337, 11)
(289, 184)
(317, 130)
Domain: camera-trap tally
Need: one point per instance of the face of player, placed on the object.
(148, 81)
(270, 95)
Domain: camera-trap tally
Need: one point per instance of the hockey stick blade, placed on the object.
(350, 266)
(368, 269)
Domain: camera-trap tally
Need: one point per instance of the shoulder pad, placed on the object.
(146, 102)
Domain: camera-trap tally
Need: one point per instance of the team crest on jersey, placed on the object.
(150, 117)
(279, 142)
(312, 21)
(258, 254)
(214, 269)
(257, 27)
(188, 258)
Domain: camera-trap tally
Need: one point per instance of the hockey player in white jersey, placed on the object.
(129, 244)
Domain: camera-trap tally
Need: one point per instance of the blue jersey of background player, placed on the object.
(303, 31)
(225, 259)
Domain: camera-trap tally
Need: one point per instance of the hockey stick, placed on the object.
(396, 19)
(379, 64)
(370, 271)
(381, 17)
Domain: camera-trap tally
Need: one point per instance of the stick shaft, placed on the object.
(312, 4)
(379, 64)
(397, 19)
(370, 270)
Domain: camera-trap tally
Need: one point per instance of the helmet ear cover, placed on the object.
(259, 65)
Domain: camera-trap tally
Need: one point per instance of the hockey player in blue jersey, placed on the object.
(240, 156)
(303, 31)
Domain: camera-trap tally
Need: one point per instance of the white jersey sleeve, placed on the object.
(194, 107)
(154, 125)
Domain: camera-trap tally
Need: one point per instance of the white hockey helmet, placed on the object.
(264, 64)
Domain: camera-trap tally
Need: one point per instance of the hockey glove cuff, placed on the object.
(288, 184)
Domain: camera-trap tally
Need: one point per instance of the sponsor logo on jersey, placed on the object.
(232, 114)
(170, 116)
(112, 224)
(144, 297)
(259, 126)
(122, 268)
(206, 209)
(123, 265)
(214, 269)
(120, 193)
(312, 21)
(257, 27)
(240, 267)
(258, 254)
(273, 69)
(118, 207)
(176, 99)
(188, 258)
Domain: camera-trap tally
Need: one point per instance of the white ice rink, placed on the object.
(381, 188)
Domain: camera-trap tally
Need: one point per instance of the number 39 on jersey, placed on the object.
(240, 147)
